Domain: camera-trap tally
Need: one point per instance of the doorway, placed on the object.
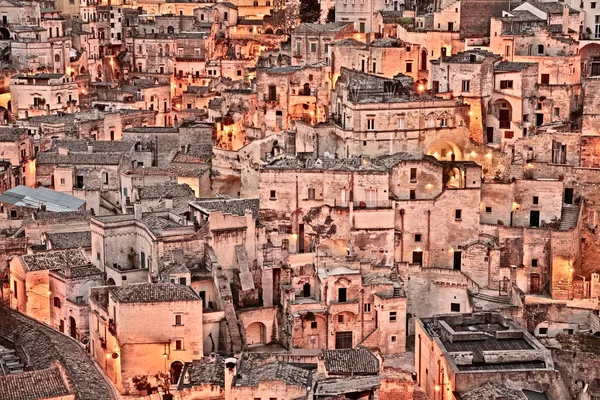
(72, 328)
(176, 368)
(539, 119)
(306, 290)
(568, 195)
(301, 238)
(342, 295)
(457, 260)
(534, 284)
(534, 219)
(343, 340)
(417, 257)
(490, 134)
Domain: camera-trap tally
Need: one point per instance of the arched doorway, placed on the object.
(255, 333)
(445, 151)
(424, 60)
(72, 327)
(306, 290)
(269, 31)
(4, 34)
(175, 370)
(110, 282)
(306, 89)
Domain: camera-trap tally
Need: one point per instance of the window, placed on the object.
(412, 194)
(340, 319)
(272, 93)
(534, 262)
(466, 86)
(543, 331)
(401, 123)
(62, 181)
(443, 122)
(408, 67)
(454, 307)
(488, 210)
(370, 124)
(313, 47)
(413, 175)
(273, 195)
(179, 345)
(105, 178)
(183, 281)
(506, 84)
(556, 112)
(509, 134)
(506, 51)
(374, 68)
(417, 237)
(458, 215)
(540, 49)
(178, 320)
(367, 307)
(313, 325)
(142, 260)
(15, 291)
(536, 200)
(342, 295)
(593, 4)
(13, 214)
(285, 229)
(311, 194)
(545, 79)
(98, 255)
(56, 302)
(392, 316)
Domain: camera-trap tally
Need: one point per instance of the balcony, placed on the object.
(371, 204)
(271, 99)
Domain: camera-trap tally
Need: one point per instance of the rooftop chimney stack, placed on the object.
(137, 211)
(565, 19)
(230, 372)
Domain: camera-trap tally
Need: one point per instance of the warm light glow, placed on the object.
(451, 250)
(473, 154)
(107, 356)
(178, 106)
(449, 153)
(112, 62)
(429, 186)
(83, 91)
(437, 388)
(49, 292)
(570, 269)
(294, 236)
(421, 88)
(436, 155)
(470, 112)
(489, 155)
(165, 355)
(529, 165)
(418, 249)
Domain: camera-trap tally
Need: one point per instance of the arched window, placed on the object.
(57, 58)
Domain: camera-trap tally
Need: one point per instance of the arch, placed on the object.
(269, 31)
(4, 34)
(256, 333)
(424, 60)
(306, 89)
(431, 120)
(455, 178)
(502, 110)
(279, 32)
(167, 49)
(110, 282)
(57, 58)
(82, 70)
(590, 59)
(73, 327)
(170, 29)
(175, 370)
(445, 150)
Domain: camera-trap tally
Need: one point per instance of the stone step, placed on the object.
(493, 299)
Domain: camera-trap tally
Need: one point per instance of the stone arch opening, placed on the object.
(256, 334)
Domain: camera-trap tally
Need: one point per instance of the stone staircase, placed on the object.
(10, 363)
(245, 276)
(568, 217)
(492, 299)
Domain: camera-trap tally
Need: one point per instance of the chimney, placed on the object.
(169, 203)
(230, 371)
(63, 151)
(137, 210)
(90, 148)
(565, 19)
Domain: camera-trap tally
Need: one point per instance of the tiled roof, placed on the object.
(332, 164)
(153, 292)
(47, 383)
(62, 215)
(359, 361)
(166, 190)
(70, 240)
(230, 206)
(207, 371)
(175, 268)
(79, 272)
(251, 374)
(8, 134)
(552, 7)
(349, 42)
(330, 27)
(508, 66)
(98, 146)
(389, 17)
(520, 16)
(54, 259)
(159, 220)
(79, 158)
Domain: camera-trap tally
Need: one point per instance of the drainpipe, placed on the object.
(489, 253)
(297, 219)
(402, 235)
(428, 238)
(362, 314)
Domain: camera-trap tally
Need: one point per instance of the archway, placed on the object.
(279, 32)
(424, 60)
(170, 29)
(72, 327)
(590, 59)
(175, 371)
(445, 150)
(110, 282)
(502, 111)
(269, 31)
(306, 89)
(82, 70)
(256, 333)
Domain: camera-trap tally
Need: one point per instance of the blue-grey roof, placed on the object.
(24, 196)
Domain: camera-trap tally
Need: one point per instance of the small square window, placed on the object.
(393, 338)
(313, 325)
(178, 320)
(417, 237)
(454, 307)
(273, 195)
(393, 316)
(593, 4)
(311, 194)
(340, 319)
(536, 200)
(179, 345)
(534, 262)
(543, 331)
(488, 210)
(458, 215)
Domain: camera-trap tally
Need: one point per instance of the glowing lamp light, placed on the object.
(436, 155)
(473, 154)
(165, 354)
(429, 186)
(437, 388)
(108, 356)
(470, 112)
(489, 155)
(49, 292)
(421, 88)
(295, 236)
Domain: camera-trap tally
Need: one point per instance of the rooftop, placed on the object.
(228, 206)
(208, 370)
(70, 240)
(54, 260)
(330, 27)
(153, 293)
(359, 361)
(507, 66)
(552, 7)
(8, 134)
(42, 384)
(251, 372)
(24, 196)
(165, 191)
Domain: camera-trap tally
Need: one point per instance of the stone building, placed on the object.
(121, 343)
(42, 94)
(311, 42)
